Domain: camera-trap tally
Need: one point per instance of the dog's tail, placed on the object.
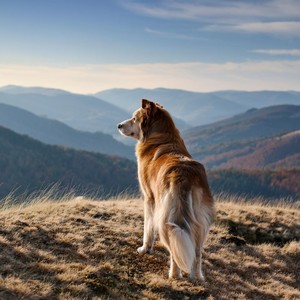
(181, 247)
(175, 222)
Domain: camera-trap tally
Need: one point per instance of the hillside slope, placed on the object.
(28, 165)
(268, 184)
(254, 123)
(83, 249)
(279, 152)
(57, 133)
(263, 138)
(274, 153)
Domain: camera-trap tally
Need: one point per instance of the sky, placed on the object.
(86, 46)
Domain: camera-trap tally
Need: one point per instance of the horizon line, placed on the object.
(143, 88)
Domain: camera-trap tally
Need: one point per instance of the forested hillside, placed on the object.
(279, 152)
(255, 123)
(266, 138)
(27, 165)
(257, 183)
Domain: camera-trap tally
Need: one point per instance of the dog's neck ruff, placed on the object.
(161, 144)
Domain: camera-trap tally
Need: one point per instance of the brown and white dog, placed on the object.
(177, 200)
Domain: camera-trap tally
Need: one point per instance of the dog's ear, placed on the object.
(145, 103)
(148, 105)
(150, 109)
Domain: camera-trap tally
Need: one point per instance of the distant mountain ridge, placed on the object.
(191, 107)
(14, 89)
(85, 113)
(102, 111)
(56, 133)
(260, 99)
(196, 108)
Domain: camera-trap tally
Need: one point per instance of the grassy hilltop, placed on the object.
(85, 249)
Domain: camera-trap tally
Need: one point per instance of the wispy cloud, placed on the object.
(278, 28)
(293, 52)
(269, 17)
(195, 76)
(195, 10)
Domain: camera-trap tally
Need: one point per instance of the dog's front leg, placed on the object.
(149, 233)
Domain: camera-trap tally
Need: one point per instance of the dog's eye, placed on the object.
(133, 119)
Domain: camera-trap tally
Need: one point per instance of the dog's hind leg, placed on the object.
(174, 271)
(196, 273)
(204, 212)
(149, 232)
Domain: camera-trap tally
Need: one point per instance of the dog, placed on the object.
(178, 204)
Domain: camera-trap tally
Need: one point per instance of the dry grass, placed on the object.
(85, 249)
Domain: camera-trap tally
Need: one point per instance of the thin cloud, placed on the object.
(277, 28)
(292, 52)
(213, 9)
(194, 76)
(267, 17)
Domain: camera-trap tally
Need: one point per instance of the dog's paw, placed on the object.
(143, 250)
(197, 279)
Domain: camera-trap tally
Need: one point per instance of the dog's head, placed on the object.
(141, 123)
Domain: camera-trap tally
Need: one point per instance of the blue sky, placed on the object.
(90, 45)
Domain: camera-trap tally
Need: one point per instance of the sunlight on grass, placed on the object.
(62, 246)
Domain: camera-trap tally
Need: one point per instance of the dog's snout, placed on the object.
(120, 126)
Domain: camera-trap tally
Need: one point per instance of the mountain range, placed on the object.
(29, 166)
(255, 140)
(196, 108)
(57, 133)
(81, 112)
(215, 143)
(103, 110)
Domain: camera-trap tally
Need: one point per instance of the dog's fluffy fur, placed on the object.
(177, 200)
